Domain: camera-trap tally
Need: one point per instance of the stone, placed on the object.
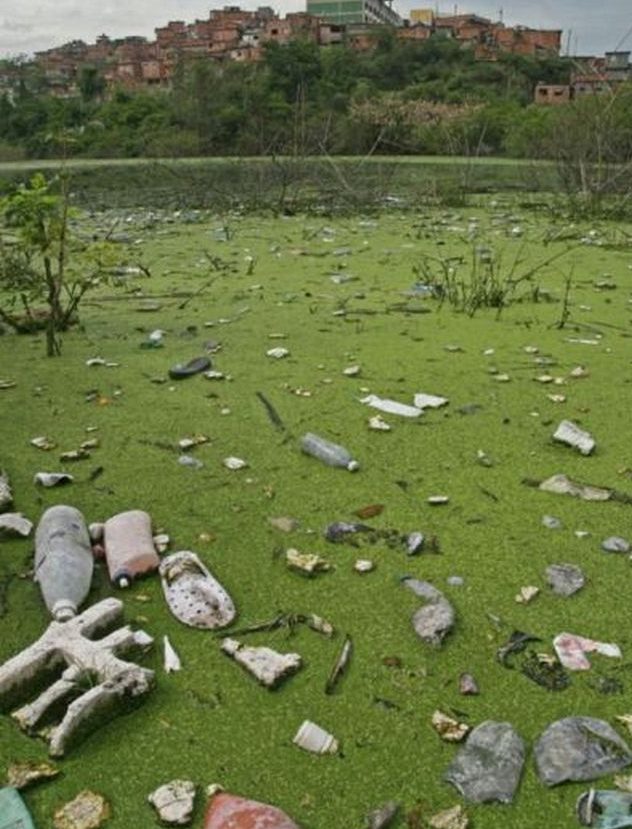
(174, 802)
(14, 523)
(565, 579)
(435, 620)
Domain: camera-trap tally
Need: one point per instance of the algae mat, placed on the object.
(336, 294)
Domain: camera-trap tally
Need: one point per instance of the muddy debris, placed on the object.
(87, 811)
(21, 775)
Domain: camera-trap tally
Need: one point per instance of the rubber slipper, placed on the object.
(194, 596)
(194, 366)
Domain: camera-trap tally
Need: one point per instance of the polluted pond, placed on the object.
(193, 589)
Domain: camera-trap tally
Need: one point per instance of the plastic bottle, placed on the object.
(63, 560)
(226, 810)
(330, 453)
(13, 812)
(129, 546)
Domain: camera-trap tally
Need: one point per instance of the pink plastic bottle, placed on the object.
(129, 546)
(229, 811)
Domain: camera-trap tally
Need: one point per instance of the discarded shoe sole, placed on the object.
(194, 596)
(195, 366)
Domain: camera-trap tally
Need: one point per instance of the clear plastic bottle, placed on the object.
(63, 560)
(330, 453)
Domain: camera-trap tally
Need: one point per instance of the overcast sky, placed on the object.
(30, 25)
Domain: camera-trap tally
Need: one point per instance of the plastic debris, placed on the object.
(438, 500)
(87, 811)
(6, 496)
(268, 666)
(14, 523)
(565, 579)
(383, 816)
(13, 812)
(551, 522)
(571, 648)
(174, 802)
(277, 353)
(604, 809)
(161, 542)
(229, 811)
(308, 563)
(312, 737)
(194, 596)
(63, 560)
(340, 665)
(615, 544)
(42, 442)
(172, 661)
(623, 783)
(390, 406)
(284, 523)
(489, 765)
(377, 424)
(468, 686)
(234, 463)
(51, 479)
(569, 433)
(129, 546)
(182, 370)
(415, 543)
(189, 460)
(429, 401)
(364, 565)
(562, 485)
(114, 683)
(579, 748)
(527, 594)
(435, 619)
(454, 818)
(449, 729)
(23, 775)
(351, 371)
(329, 453)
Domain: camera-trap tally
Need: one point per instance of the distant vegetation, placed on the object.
(301, 99)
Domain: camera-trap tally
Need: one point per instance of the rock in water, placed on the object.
(174, 802)
(565, 579)
(435, 619)
(489, 766)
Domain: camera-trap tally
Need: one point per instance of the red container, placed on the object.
(229, 811)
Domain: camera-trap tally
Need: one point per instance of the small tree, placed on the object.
(39, 262)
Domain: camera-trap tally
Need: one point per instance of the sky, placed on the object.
(27, 26)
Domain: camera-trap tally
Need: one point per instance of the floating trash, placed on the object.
(51, 479)
(565, 579)
(391, 406)
(468, 686)
(364, 565)
(571, 650)
(194, 596)
(449, 729)
(225, 811)
(615, 544)
(174, 802)
(234, 463)
(171, 661)
(489, 765)
(313, 738)
(14, 523)
(277, 353)
(527, 594)
(429, 401)
(23, 775)
(569, 433)
(42, 442)
(87, 811)
(6, 496)
(308, 563)
(577, 749)
(604, 809)
(340, 665)
(331, 454)
(454, 818)
(435, 620)
(383, 816)
(377, 424)
(268, 666)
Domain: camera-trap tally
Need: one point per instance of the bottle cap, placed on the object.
(353, 466)
(122, 581)
(64, 609)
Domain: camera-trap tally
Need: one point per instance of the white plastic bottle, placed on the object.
(330, 453)
(63, 560)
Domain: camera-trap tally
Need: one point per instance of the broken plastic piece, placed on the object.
(308, 563)
(527, 594)
(604, 809)
(565, 579)
(615, 544)
(22, 775)
(489, 765)
(390, 406)
(194, 596)
(277, 353)
(340, 665)
(174, 802)
(63, 560)
(87, 811)
(114, 683)
(267, 665)
(449, 729)
(42, 442)
(234, 463)
(562, 485)
(378, 424)
(570, 433)
(13, 812)
(579, 748)
(329, 453)
(429, 401)
(194, 366)
(571, 648)
(14, 523)
(171, 659)
(435, 620)
(229, 811)
(454, 818)
(6, 496)
(50, 479)
(312, 737)
(364, 565)
(129, 546)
